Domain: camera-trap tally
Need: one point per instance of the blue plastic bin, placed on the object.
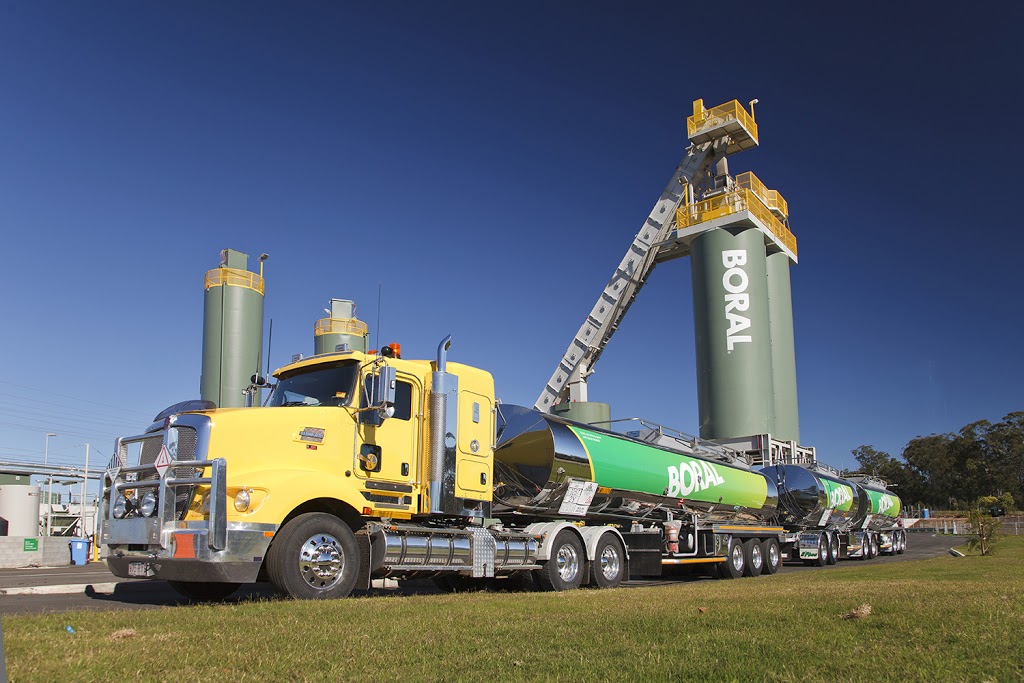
(926, 513)
(79, 551)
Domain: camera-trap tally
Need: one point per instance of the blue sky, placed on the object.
(487, 165)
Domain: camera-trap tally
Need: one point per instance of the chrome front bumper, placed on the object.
(187, 555)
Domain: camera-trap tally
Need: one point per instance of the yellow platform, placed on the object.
(726, 120)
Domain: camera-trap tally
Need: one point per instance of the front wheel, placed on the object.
(564, 569)
(609, 565)
(204, 592)
(314, 557)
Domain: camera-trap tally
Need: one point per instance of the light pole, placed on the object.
(49, 491)
(85, 484)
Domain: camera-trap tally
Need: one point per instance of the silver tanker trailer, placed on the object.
(828, 518)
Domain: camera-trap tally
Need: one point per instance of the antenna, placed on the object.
(376, 338)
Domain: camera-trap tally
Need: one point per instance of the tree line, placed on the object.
(952, 471)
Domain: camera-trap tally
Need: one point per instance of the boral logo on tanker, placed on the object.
(689, 477)
(885, 502)
(839, 496)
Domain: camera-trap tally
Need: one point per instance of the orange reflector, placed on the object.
(268, 534)
(367, 511)
(184, 545)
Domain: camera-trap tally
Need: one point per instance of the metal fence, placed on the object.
(1012, 525)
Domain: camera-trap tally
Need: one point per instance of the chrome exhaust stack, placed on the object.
(443, 424)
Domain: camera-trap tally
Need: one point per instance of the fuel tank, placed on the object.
(880, 505)
(537, 453)
(815, 499)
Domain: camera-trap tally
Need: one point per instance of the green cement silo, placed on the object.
(780, 313)
(342, 328)
(232, 330)
(734, 354)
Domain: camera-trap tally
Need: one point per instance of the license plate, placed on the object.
(138, 569)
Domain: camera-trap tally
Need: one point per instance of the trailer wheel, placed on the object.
(203, 591)
(735, 562)
(902, 544)
(875, 549)
(314, 557)
(772, 555)
(609, 565)
(753, 558)
(823, 551)
(564, 570)
(833, 548)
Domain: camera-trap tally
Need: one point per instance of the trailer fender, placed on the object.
(547, 532)
(592, 536)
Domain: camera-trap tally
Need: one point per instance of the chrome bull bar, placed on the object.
(157, 529)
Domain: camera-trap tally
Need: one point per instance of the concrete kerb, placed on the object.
(65, 589)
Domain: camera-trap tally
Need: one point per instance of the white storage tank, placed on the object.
(19, 505)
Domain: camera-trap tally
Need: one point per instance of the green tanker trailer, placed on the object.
(828, 518)
(674, 508)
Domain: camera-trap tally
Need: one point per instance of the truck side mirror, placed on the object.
(380, 390)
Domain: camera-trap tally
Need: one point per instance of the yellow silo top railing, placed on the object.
(233, 277)
(340, 326)
(771, 198)
(716, 116)
(740, 199)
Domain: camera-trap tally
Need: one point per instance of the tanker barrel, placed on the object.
(809, 498)
(543, 452)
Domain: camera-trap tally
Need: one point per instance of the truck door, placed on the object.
(386, 450)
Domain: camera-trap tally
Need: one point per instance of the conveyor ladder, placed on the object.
(625, 283)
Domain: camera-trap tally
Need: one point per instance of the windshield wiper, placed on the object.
(296, 403)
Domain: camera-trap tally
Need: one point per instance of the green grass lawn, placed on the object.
(944, 619)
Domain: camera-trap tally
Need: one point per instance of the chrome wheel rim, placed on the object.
(567, 562)
(773, 554)
(321, 561)
(610, 562)
(755, 556)
(737, 557)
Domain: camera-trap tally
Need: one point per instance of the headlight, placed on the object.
(148, 505)
(120, 506)
(242, 500)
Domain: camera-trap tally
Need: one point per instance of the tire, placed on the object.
(314, 557)
(609, 565)
(903, 543)
(823, 551)
(833, 548)
(564, 570)
(874, 546)
(868, 547)
(204, 592)
(772, 554)
(753, 558)
(735, 561)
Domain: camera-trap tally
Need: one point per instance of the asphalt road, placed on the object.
(111, 593)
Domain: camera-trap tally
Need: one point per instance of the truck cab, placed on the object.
(348, 446)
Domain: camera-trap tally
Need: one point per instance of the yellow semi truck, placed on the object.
(359, 465)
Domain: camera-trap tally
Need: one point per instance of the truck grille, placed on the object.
(149, 449)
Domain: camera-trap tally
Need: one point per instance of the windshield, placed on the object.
(319, 385)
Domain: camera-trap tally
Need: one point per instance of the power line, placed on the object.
(5, 407)
(86, 434)
(57, 425)
(73, 398)
(63, 406)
